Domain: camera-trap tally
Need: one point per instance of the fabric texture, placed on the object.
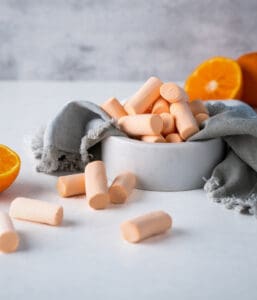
(72, 138)
(234, 180)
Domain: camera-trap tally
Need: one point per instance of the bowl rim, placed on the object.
(129, 140)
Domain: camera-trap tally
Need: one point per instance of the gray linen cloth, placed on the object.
(234, 180)
(72, 138)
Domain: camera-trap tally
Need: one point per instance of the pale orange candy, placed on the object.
(71, 185)
(198, 107)
(185, 121)
(9, 239)
(153, 139)
(168, 123)
(144, 97)
(145, 226)
(160, 106)
(96, 185)
(144, 124)
(36, 211)
(173, 93)
(121, 187)
(200, 118)
(174, 138)
(149, 109)
(113, 108)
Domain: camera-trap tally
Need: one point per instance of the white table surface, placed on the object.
(210, 253)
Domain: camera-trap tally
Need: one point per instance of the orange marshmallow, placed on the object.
(173, 138)
(168, 123)
(198, 107)
(173, 93)
(9, 239)
(184, 119)
(96, 185)
(145, 226)
(160, 106)
(113, 108)
(36, 211)
(149, 109)
(153, 139)
(145, 124)
(122, 187)
(144, 97)
(71, 185)
(200, 118)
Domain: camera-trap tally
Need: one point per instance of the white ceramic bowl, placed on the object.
(162, 167)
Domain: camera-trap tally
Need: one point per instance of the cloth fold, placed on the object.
(234, 180)
(72, 138)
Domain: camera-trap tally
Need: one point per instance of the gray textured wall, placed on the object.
(116, 39)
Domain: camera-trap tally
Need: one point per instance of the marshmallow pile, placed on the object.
(158, 113)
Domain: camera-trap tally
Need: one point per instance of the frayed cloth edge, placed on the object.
(245, 205)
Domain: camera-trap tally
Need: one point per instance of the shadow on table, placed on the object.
(172, 234)
(21, 189)
(24, 244)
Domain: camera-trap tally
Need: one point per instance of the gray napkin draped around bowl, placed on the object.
(234, 180)
(72, 138)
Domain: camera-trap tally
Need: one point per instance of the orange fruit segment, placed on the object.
(9, 167)
(248, 64)
(215, 78)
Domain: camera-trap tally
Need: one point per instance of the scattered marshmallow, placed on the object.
(71, 185)
(9, 239)
(96, 185)
(122, 187)
(36, 211)
(145, 226)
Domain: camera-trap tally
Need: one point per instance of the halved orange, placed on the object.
(9, 167)
(215, 78)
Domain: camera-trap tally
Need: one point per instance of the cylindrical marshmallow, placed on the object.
(198, 107)
(168, 123)
(184, 119)
(144, 97)
(145, 226)
(96, 185)
(36, 211)
(153, 139)
(113, 108)
(173, 138)
(71, 185)
(173, 93)
(200, 118)
(160, 106)
(122, 187)
(9, 239)
(145, 124)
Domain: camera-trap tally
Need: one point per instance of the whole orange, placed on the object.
(9, 167)
(248, 64)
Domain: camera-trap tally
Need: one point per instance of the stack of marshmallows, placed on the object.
(158, 113)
